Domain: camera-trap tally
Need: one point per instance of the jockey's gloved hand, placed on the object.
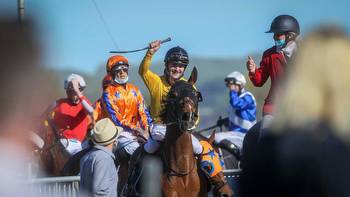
(140, 134)
(222, 122)
(141, 139)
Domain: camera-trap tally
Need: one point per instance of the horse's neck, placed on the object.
(178, 148)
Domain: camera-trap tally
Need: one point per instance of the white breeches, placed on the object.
(72, 146)
(158, 132)
(127, 141)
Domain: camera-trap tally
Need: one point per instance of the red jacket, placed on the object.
(71, 120)
(272, 65)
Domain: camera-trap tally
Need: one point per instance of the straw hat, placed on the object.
(105, 132)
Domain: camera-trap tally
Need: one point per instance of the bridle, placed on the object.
(175, 102)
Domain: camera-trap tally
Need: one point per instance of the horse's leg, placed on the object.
(203, 183)
(168, 190)
(123, 161)
(122, 176)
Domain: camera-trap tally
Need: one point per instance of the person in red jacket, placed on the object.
(274, 61)
(71, 116)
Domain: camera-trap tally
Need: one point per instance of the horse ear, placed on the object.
(212, 137)
(193, 78)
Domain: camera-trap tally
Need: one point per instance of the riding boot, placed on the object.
(230, 147)
(135, 170)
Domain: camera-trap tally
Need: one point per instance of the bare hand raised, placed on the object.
(154, 46)
(251, 66)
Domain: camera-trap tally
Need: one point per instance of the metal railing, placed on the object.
(54, 186)
(69, 185)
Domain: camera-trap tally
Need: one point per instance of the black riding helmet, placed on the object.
(284, 23)
(177, 55)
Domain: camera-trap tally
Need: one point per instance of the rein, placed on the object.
(57, 139)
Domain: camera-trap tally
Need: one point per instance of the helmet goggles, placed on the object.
(230, 81)
(120, 66)
(178, 58)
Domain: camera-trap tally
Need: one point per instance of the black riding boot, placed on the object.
(230, 147)
(135, 172)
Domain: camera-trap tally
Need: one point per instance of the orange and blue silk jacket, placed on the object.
(124, 105)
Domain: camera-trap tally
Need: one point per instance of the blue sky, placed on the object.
(74, 36)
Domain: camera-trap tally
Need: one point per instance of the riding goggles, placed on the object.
(119, 68)
(178, 58)
(231, 81)
(120, 65)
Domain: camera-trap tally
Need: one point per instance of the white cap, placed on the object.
(237, 77)
(74, 76)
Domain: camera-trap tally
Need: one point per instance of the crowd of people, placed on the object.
(304, 129)
(122, 105)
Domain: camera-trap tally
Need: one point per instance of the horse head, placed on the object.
(182, 104)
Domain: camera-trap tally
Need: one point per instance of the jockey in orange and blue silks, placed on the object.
(123, 103)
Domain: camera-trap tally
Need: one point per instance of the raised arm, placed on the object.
(149, 78)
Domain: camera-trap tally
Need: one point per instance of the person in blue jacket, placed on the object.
(241, 110)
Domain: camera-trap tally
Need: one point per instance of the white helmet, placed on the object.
(236, 78)
(80, 79)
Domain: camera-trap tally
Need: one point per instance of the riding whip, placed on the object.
(132, 51)
(213, 126)
(206, 129)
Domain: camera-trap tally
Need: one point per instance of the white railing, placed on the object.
(54, 186)
(69, 185)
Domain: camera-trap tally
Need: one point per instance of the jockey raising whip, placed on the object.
(148, 47)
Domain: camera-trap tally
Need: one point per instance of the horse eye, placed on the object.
(199, 97)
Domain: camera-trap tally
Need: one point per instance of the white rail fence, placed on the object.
(68, 186)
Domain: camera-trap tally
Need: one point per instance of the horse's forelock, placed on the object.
(178, 91)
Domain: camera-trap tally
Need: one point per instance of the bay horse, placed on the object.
(182, 175)
(53, 157)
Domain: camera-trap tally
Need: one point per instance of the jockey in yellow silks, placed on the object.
(176, 61)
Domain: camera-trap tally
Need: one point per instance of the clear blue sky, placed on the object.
(74, 35)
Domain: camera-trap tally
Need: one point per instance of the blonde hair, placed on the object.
(317, 87)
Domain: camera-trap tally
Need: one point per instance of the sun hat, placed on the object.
(105, 132)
